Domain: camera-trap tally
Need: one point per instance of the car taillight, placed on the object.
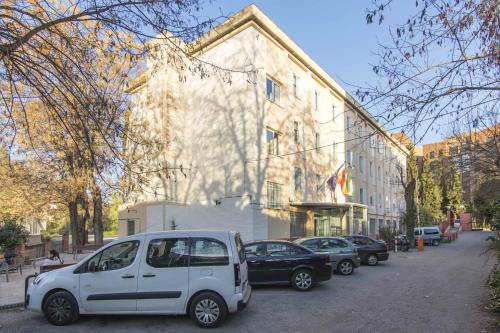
(237, 275)
(328, 261)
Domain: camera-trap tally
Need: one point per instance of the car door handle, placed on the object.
(148, 275)
(128, 276)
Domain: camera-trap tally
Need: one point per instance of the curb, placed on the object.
(11, 306)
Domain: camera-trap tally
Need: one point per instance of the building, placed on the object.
(475, 153)
(255, 154)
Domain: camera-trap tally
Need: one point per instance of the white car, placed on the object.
(200, 273)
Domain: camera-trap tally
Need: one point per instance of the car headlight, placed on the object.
(38, 278)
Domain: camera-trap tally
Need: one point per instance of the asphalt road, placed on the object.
(439, 290)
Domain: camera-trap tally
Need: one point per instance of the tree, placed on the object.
(429, 196)
(486, 204)
(442, 61)
(408, 177)
(12, 234)
(452, 187)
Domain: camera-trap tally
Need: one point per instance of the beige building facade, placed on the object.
(253, 153)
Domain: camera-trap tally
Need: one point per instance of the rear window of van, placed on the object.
(240, 248)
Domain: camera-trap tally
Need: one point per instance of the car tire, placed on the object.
(60, 308)
(372, 259)
(208, 310)
(302, 280)
(345, 267)
(435, 242)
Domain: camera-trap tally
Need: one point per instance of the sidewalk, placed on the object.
(12, 292)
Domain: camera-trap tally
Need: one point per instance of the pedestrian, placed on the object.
(53, 259)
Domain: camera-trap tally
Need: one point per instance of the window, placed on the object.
(208, 252)
(319, 188)
(130, 227)
(296, 131)
(255, 250)
(272, 91)
(348, 124)
(312, 244)
(371, 200)
(240, 248)
(316, 141)
(431, 232)
(331, 243)
(333, 113)
(298, 222)
(316, 100)
(348, 157)
(361, 196)
(272, 139)
(168, 252)
(380, 200)
(361, 164)
(114, 257)
(274, 195)
(379, 173)
(371, 169)
(298, 179)
(283, 249)
(295, 80)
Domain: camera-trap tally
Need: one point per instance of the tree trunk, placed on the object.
(73, 221)
(84, 218)
(97, 218)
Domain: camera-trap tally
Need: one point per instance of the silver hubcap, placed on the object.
(303, 280)
(59, 309)
(207, 311)
(372, 260)
(345, 268)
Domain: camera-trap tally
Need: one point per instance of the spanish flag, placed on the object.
(345, 180)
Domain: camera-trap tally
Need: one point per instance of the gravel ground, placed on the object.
(439, 290)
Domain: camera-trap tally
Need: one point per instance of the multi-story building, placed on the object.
(256, 152)
(475, 153)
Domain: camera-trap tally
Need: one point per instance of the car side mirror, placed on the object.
(92, 267)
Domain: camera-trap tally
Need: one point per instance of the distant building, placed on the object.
(257, 154)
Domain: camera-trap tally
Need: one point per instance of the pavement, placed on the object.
(12, 292)
(439, 290)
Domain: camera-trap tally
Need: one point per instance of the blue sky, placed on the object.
(333, 32)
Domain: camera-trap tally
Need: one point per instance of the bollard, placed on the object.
(420, 244)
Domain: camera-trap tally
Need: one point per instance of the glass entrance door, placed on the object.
(328, 222)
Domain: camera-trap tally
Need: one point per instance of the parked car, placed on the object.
(370, 251)
(431, 235)
(200, 273)
(343, 253)
(282, 262)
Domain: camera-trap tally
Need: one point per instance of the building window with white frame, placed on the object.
(316, 141)
(361, 165)
(316, 100)
(361, 195)
(371, 200)
(348, 158)
(297, 179)
(379, 173)
(296, 136)
(380, 200)
(333, 113)
(274, 195)
(272, 91)
(371, 169)
(272, 139)
(295, 85)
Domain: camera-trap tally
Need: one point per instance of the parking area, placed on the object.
(441, 289)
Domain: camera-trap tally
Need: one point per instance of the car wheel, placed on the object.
(60, 308)
(345, 267)
(208, 310)
(435, 242)
(372, 259)
(302, 279)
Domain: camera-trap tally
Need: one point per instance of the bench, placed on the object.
(80, 248)
(16, 264)
(49, 268)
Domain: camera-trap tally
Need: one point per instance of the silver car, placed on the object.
(343, 253)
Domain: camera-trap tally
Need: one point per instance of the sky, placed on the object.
(333, 33)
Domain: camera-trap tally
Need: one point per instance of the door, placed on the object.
(256, 255)
(108, 281)
(279, 262)
(164, 274)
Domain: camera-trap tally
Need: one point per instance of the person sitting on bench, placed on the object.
(54, 259)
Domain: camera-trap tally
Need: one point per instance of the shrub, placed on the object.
(12, 234)
(387, 234)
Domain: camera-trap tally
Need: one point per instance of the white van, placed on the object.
(200, 273)
(431, 235)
